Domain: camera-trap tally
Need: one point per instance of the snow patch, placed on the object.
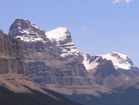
(58, 34)
(28, 38)
(89, 65)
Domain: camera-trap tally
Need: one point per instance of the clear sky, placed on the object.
(97, 26)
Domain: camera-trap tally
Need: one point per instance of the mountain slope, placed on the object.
(17, 89)
(111, 70)
(119, 60)
(54, 63)
(120, 96)
(53, 60)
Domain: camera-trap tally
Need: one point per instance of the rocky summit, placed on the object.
(48, 61)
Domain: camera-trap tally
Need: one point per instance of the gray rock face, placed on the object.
(11, 55)
(21, 26)
(52, 60)
(106, 69)
(49, 61)
(110, 70)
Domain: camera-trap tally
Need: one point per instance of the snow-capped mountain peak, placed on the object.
(119, 60)
(26, 31)
(60, 35)
(22, 26)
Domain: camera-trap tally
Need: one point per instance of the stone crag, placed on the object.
(11, 55)
(45, 58)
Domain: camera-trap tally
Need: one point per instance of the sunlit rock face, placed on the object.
(21, 27)
(11, 55)
(111, 70)
(51, 58)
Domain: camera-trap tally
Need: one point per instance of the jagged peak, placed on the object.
(21, 27)
(21, 22)
(119, 60)
(26, 31)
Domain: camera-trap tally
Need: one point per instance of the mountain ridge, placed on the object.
(60, 46)
(53, 61)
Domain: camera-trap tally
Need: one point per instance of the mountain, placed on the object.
(54, 63)
(120, 61)
(15, 87)
(62, 37)
(112, 69)
(47, 64)
(52, 59)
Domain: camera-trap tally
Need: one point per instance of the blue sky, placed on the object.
(97, 26)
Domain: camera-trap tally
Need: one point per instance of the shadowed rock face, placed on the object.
(105, 74)
(11, 55)
(123, 96)
(106, 69)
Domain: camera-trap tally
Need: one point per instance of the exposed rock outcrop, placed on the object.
(11, 55)
(50, 61)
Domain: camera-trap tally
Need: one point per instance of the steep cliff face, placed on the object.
(111, 70)
(11, 55)
(15, 87)
(51, 58)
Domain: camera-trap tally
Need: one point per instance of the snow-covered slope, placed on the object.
(111, 70)
(119, 60)
(90, 63)
(60, 34)
(28, 32)
(62, 37)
